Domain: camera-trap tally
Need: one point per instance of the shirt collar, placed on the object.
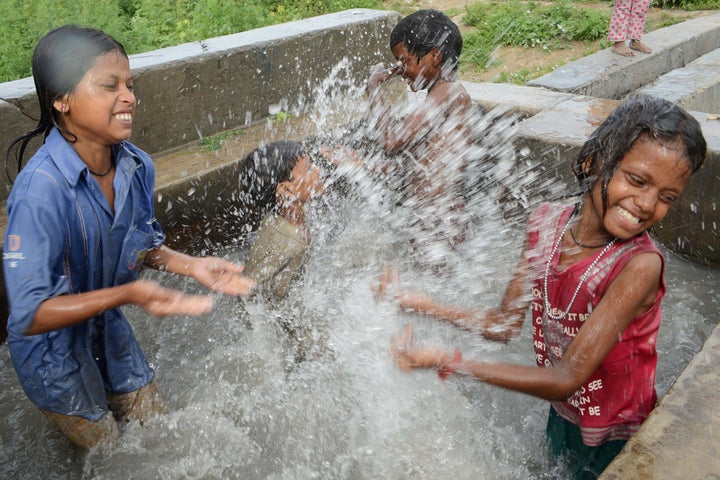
(71, 165)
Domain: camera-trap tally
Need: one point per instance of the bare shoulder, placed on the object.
(648, 264)
(642, 276)
(450, 96)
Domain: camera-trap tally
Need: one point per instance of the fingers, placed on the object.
(401, 348)
(161, 301)
(223, 265)
(191, 305)
(380, 288)
(233, 284)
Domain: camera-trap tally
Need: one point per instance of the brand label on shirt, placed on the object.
(13, 255)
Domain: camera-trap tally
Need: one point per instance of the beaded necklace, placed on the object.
(548, 310)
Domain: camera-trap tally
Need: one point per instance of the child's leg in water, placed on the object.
(83, 432)
(140, 405)
(584, 462)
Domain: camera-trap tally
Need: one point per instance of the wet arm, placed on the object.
(499, 324)
(445, 102)
(215, 273)
(630, 294)
(67, 310)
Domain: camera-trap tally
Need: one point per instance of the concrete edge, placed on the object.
(605, 74)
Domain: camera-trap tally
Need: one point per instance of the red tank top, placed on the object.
(617, 397)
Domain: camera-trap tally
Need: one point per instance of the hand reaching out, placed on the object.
(389, 282)
(341, 155)
(379, 73)
(160, 301)
(408, 356)
(220, 275)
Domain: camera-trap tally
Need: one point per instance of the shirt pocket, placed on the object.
(136, 245)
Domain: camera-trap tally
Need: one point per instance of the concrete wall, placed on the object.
(607, 75)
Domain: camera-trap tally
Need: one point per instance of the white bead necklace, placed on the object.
(548, 310)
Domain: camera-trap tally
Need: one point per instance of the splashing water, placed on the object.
(241, 405)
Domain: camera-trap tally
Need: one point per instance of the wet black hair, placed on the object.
(424, 30)
(639, 115)
(60, 60)
(262, 171)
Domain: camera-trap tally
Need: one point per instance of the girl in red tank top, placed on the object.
(592, 279)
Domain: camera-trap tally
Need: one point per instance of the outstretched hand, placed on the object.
(389, 287)
(220, 275)
(407, 355)
(160, 301)
(341, 156)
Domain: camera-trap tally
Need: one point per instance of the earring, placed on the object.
(63, 108)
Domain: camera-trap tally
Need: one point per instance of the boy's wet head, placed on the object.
(427, 29)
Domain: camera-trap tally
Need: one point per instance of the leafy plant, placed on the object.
(215, 142)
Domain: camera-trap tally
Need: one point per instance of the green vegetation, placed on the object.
(143, 25)
(213, 143)
(528, 24)
(545, 26)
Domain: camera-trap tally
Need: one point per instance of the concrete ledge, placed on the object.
(607, 75)
(695, 86)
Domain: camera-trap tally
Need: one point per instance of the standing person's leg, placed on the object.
(84, 432)
(618, 29)
(140, 405)
(636, 27)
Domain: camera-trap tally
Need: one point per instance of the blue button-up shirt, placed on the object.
(62, 238)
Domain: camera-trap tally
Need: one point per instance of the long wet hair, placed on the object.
(424, 30)
(639, 116)
(262, 171)
(60, 60)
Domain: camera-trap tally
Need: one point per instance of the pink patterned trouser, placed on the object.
(628, 20)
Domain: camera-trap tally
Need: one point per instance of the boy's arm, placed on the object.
(446, 103)
(67, 310)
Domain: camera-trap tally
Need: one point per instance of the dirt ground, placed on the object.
(528, 63)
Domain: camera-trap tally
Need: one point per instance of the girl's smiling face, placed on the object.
(101, 107)
(649, 178)
(420, 74)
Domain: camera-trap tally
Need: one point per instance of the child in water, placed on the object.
(593, 279)
(81, 225)
(278, 181)
(434, 137)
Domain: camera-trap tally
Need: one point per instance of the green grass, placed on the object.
(143, 25)
(528, 24)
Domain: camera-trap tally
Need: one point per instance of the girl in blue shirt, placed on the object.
(80, 226)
